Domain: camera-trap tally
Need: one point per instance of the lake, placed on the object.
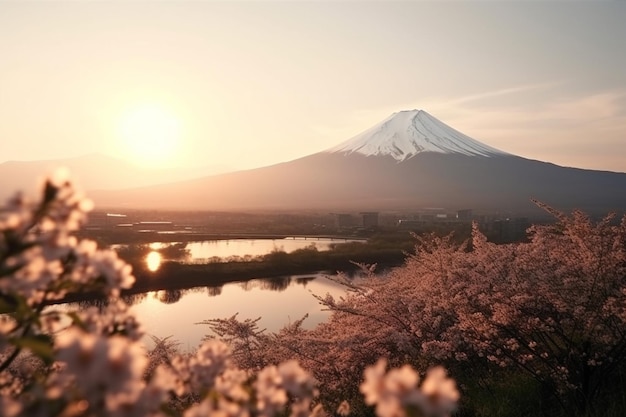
(206, 250)
(278, 301)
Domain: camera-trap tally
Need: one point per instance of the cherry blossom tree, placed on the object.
(553, 308)
(247, 342)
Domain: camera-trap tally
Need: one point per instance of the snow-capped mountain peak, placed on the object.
(406, 133)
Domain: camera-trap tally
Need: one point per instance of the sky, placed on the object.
(238, 85)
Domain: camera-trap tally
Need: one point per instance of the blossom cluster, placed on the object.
(397, 391)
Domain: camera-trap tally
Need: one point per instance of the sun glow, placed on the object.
(150, 135)
(153, 261)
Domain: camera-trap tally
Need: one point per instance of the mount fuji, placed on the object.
(410, 160)
(408, 133)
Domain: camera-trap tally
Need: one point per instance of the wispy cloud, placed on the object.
(600, 110)
(588, 130)
(503, 92)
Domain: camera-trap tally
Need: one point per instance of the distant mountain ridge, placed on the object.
(91, 172)
(408, 161)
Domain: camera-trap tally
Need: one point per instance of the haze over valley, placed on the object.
(410, 160)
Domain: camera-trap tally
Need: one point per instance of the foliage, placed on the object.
(246, 340)
(92, 362)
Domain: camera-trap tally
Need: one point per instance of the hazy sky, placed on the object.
(245, 84)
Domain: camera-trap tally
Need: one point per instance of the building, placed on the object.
(344, 220)
(370, 219)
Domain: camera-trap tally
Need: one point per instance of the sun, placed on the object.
(150, 135)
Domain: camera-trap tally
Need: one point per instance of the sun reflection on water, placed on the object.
(153, 260)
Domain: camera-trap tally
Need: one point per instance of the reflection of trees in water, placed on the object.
(248, 285)
(137, 252)
(276, 283)
(193, 290)
(305, 280)
(214, 291)
(134, 252)
(272, 284)
(99, 303)
(175, 251)
(172, 296)
(102, 303)
(132, 299)
(168, 296)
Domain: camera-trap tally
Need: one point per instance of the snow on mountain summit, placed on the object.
(405, 134)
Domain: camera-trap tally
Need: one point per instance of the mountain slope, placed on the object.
(327, 181)
(407, 133)
(408, 161)
(92, 172)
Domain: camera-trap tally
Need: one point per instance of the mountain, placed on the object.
(409, 161)
(93, 172)
(407, 133)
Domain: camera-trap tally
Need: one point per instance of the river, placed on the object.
(278, 301)
(205, 251)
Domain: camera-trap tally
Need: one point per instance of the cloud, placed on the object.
(600, 110)
(503, 92)
(586, 131)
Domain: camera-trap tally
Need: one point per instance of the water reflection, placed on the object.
(304, 280)
(173, 251)
(276, 284)
(102, 303)
(272, 284)
(214, 291)
(168, 296)
(279, 301)
(153, 254)
(153, 261)
(244, 250)
(171, 296)
(132, 299)
(219, 251)
(236, 250)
